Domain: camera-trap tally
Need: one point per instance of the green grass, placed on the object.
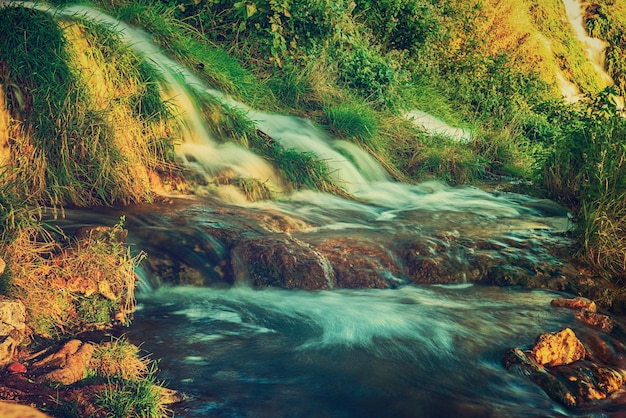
(352, 120)
(79, 150)
(607, 20)
(215, 66)
(124, 398)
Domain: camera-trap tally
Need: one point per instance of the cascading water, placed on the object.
(595, 47)
(401, 350)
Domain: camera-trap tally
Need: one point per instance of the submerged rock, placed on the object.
(578, 303)
(604, 322)
(282, 261)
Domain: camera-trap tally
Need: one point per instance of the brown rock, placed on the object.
(12, 410)
(554, 349)
(169, 396)
(578, 303)
(604, 322)
(70, 363)
(282, 262)
(359, 264)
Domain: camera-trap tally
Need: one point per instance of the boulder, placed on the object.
(282, 261)
(359, 264)
(12, 328)
(555, 349)
(68, 365)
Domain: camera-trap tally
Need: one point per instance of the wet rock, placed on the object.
(360, 265)
(604, 322)
(568, 371)
(12, 328)
(69, 364)
(12, 410)
(554, 386)
(16, 368)
(578, 303)
(554, 349)
(600, 350)
(282, 261)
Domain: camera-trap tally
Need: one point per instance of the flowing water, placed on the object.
(402, 350)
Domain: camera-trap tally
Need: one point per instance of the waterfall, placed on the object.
(594, 47)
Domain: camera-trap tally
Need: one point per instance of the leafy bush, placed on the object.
(400, 24)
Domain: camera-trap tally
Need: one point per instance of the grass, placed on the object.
(88, 137)
(607, 20)
(549, 17)
(119, 358)
(215, 66)
(123, 398)
(352, 120)
(66, 289)
(449, 160)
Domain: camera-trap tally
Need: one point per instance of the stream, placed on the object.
(312, 305)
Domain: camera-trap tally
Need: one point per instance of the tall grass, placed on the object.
(587, 171)
(191, 48)
(80, 142)
(70, 288)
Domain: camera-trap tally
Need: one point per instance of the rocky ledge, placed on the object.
(577, 370)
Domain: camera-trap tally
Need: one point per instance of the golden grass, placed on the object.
(120, 358)
(51, 280)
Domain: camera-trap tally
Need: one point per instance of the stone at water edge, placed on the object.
(604, 322)
(578, 303)
(12, 410)
(555, 349)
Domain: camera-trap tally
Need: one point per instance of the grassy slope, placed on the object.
(352, 67)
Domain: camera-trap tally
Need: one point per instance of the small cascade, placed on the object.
(594, 47)
(436, 126)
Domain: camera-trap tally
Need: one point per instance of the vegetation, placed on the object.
(607, 20)
(587, 170)
(68, 288)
